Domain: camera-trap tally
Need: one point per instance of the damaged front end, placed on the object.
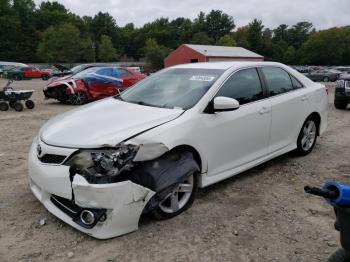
(111, 187)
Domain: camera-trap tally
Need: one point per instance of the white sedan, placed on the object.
(148, 150)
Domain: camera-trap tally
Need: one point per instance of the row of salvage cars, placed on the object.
(148, 149)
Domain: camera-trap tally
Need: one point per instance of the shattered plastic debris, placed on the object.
(42, 222)
(165, 172)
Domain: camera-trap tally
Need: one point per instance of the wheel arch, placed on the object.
(318, 120)
(196, 155)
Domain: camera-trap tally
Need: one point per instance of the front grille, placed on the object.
(52, 159)
(56, 92)
(347, 86)
(65, 205)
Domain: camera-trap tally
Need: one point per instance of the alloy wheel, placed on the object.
(78, 98)
(179, 197)
(309, 135)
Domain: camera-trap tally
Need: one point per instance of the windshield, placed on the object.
(85, 72)
(173, 88)
(77, 69)
(97, 72)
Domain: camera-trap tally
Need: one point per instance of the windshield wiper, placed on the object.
(119, 97)
(144, 103)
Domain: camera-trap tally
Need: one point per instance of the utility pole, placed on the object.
(93, 51)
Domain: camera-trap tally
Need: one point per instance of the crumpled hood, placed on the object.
(103, 123)
(59, 81)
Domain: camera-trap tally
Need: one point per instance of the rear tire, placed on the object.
(18, 106)
(4, 106)
(340, 104)
(79, 98)
(45, 77)
(177, 201)
(341, 255)
(30, 104)
(326, 79)
(17, 77)
(307, 137)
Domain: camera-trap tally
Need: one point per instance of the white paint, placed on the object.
(227, 142)
(105, 122)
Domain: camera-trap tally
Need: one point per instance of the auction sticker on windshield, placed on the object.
(202, 78)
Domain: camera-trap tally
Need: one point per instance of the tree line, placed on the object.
(51, 33)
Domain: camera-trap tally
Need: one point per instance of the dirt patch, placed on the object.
(261, 215)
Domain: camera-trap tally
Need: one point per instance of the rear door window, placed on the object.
(119, 73)
(278, 81)
(124, 73)
(104, 71)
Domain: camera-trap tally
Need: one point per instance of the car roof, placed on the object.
(102, 67)
(228, 65)
(99, 65)
(12, 63)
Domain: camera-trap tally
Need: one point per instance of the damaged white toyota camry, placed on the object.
(103, 165)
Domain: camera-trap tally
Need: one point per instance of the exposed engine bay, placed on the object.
(112, 165)
(105, 165)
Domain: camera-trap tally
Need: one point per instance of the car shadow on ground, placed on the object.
(203, 194)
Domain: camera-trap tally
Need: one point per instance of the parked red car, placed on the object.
(92, 84)
(27, 72)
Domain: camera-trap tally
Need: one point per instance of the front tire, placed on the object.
(178, 200)
(340, 104)
(307, 137)
(326, 79)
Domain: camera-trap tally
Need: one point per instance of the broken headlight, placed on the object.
(103, 163)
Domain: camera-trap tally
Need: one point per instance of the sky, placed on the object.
(322, 13)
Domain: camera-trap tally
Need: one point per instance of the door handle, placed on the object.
(264, 110)
(305, 98)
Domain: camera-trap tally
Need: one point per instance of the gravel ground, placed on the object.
(261, 215)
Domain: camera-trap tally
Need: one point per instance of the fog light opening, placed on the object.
(87, 217)
(103, 218)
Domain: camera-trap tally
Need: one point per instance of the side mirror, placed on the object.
(222, 104)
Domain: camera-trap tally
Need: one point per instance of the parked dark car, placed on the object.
(343, 69)
(342, 92)
(323, 75)
(6, 66)
(302, 69)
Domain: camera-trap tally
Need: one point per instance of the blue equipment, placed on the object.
(337, 195)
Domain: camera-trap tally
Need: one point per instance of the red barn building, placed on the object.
(207, 53)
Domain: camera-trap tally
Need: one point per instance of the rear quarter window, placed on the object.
(296, 83)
